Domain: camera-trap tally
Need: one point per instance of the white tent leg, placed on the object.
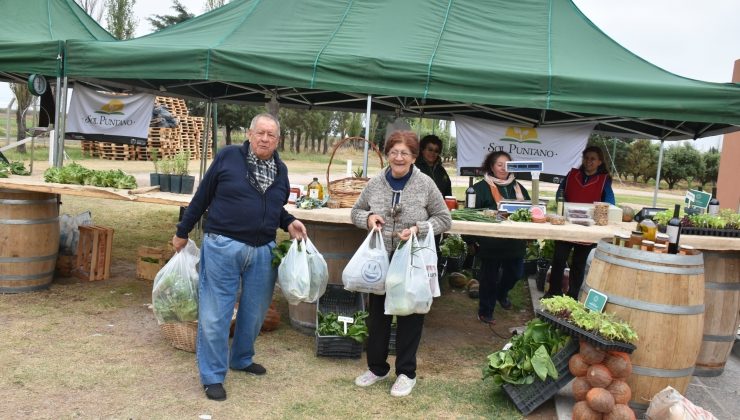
(61, 128)
(657, 175)
(367, 135)
(57, 116)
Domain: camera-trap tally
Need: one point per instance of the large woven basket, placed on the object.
(181, 335)
(346, 191)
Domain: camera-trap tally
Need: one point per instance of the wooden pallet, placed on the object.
(114, 151)
(89, 148)
(94, 253)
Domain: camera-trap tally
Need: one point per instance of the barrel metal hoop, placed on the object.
(721, 286)
(11, 202)
(680, 260)
(719, 338)
(662, 373)
(28, 259)
(650, 307)
(690, 270)
(29, 221)
(28, 276)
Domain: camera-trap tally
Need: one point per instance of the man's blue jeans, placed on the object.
(226, 266)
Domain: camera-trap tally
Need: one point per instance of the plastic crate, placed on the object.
(340, 302)
(581, 334)
(528, 397)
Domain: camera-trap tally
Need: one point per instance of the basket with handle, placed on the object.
(346, 191)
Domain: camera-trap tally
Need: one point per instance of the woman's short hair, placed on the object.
(430, 138)
(491, 159)
(406, 137)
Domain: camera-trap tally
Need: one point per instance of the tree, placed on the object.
(232, 117)
(121, 21)
(681, 163)
(212, 4)
(615, 151)
(24, 98)
(641, 160)
(92, 9)
(160, 22)
(711, 167)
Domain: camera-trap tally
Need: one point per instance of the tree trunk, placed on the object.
(21, 124)
(227, 135)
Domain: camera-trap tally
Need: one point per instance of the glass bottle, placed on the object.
(315, 190)
(559, 202)
(649, 229)
(635, 239)
(673, 229)
(713, 208)
(470, 195)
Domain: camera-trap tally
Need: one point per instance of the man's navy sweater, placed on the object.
(237, 208)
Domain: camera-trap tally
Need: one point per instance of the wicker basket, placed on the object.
(181, 334)
(346, 191)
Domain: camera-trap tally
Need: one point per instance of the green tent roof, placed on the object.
(535, 62)
(32, 35)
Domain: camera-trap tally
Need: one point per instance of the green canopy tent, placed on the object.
(533, 62)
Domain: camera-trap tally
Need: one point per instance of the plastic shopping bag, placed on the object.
(407, 285)
(293, 275)
(367, 269)
(429, 253)
(175, 289)
(318, 271)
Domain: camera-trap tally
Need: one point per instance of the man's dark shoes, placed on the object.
(254, 369)
(486, 319)
(505, 303)
(215, 392)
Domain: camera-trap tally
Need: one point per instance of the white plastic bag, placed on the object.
(407, 288)
(293, 275)
(318, 270)
(367, 269)
(175, 288)
(429, 253)
(669, 404)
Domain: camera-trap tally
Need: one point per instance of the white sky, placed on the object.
(695, 39)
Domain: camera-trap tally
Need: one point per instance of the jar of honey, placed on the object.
(635, 240)
(649, 229)
(647, 245)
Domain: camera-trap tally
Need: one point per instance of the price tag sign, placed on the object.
(595, 301)
(345, 320)
(697, 199)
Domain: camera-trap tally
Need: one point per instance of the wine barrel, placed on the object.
(29, 240)
(662, 297)
(721, 316)
(337, 243)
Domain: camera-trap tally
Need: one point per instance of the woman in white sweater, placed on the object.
(400, 200)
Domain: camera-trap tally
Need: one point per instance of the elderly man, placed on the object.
(244, 190)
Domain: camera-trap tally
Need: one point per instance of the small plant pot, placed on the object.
(153, 179)
(186, 187)
(542, 267)
(530, 267)
(175, 183)
(164, 182)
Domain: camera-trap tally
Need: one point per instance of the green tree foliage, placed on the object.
(711, 168)
(641, 160)
(615, 150)
(681, 163)
(160, 22)
(233, 117)
(212, 4)
(120, 16)
(24, 98)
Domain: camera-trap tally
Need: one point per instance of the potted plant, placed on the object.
(165, 166)
(154, 177)
(176, 176)
(188, 181)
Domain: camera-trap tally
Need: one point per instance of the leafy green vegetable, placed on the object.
(453, 246)
(175, 299)
(13, 168)
(472, 215)
(600, 323)
(521, 215)
(278, 253)
(329, 325)
(74, 173)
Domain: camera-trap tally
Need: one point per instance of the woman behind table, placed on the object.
(430, 163)
(400, 200)
(587, 184)
(506, 255)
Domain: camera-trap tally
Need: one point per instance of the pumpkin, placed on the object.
(591, 354)
(620, 391)
(600, 400)
(272, 319)
(581, 411)
(620, 412)
(577, 366)
(619, 364)
(628, 213)
(598, 376)
(580, 388)
(457, 279)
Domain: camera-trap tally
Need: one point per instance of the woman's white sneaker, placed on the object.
(368, 378)
(403, 386)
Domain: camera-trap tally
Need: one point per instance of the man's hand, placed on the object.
(179, 243)
(297, 230)
(375, 221)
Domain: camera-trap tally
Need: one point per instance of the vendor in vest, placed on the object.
(588, 184)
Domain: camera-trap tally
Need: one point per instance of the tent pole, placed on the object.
(60, 130)
(367, 135)
(657, 175)
(204, 141)
(214, 108)
(57, 117)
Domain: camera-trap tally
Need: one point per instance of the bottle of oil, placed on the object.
(315, 190)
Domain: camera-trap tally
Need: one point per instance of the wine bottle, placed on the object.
(713, 208)
(470, 195)
(559, 202)
(673, 229)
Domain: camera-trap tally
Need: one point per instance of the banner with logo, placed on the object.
(110, 117)
(559, 148)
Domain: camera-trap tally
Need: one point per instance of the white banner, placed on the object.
(559, 148)
(110, 117)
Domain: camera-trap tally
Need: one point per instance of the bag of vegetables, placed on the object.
(318, 270)
(175, 290)
(293, 275)
(407, 289)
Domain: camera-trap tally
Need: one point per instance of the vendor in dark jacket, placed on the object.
(496, 254)
(244, 190)
(429, 163)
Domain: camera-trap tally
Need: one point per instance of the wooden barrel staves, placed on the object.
(721, 317)
(337, 243)
(29, 240)
(662, 297)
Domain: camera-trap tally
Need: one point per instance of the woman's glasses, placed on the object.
(396, 153)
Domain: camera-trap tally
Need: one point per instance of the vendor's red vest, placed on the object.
(576, 191)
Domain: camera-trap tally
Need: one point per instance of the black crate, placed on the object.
(340, 302)
(528, 397)
(581, 334)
